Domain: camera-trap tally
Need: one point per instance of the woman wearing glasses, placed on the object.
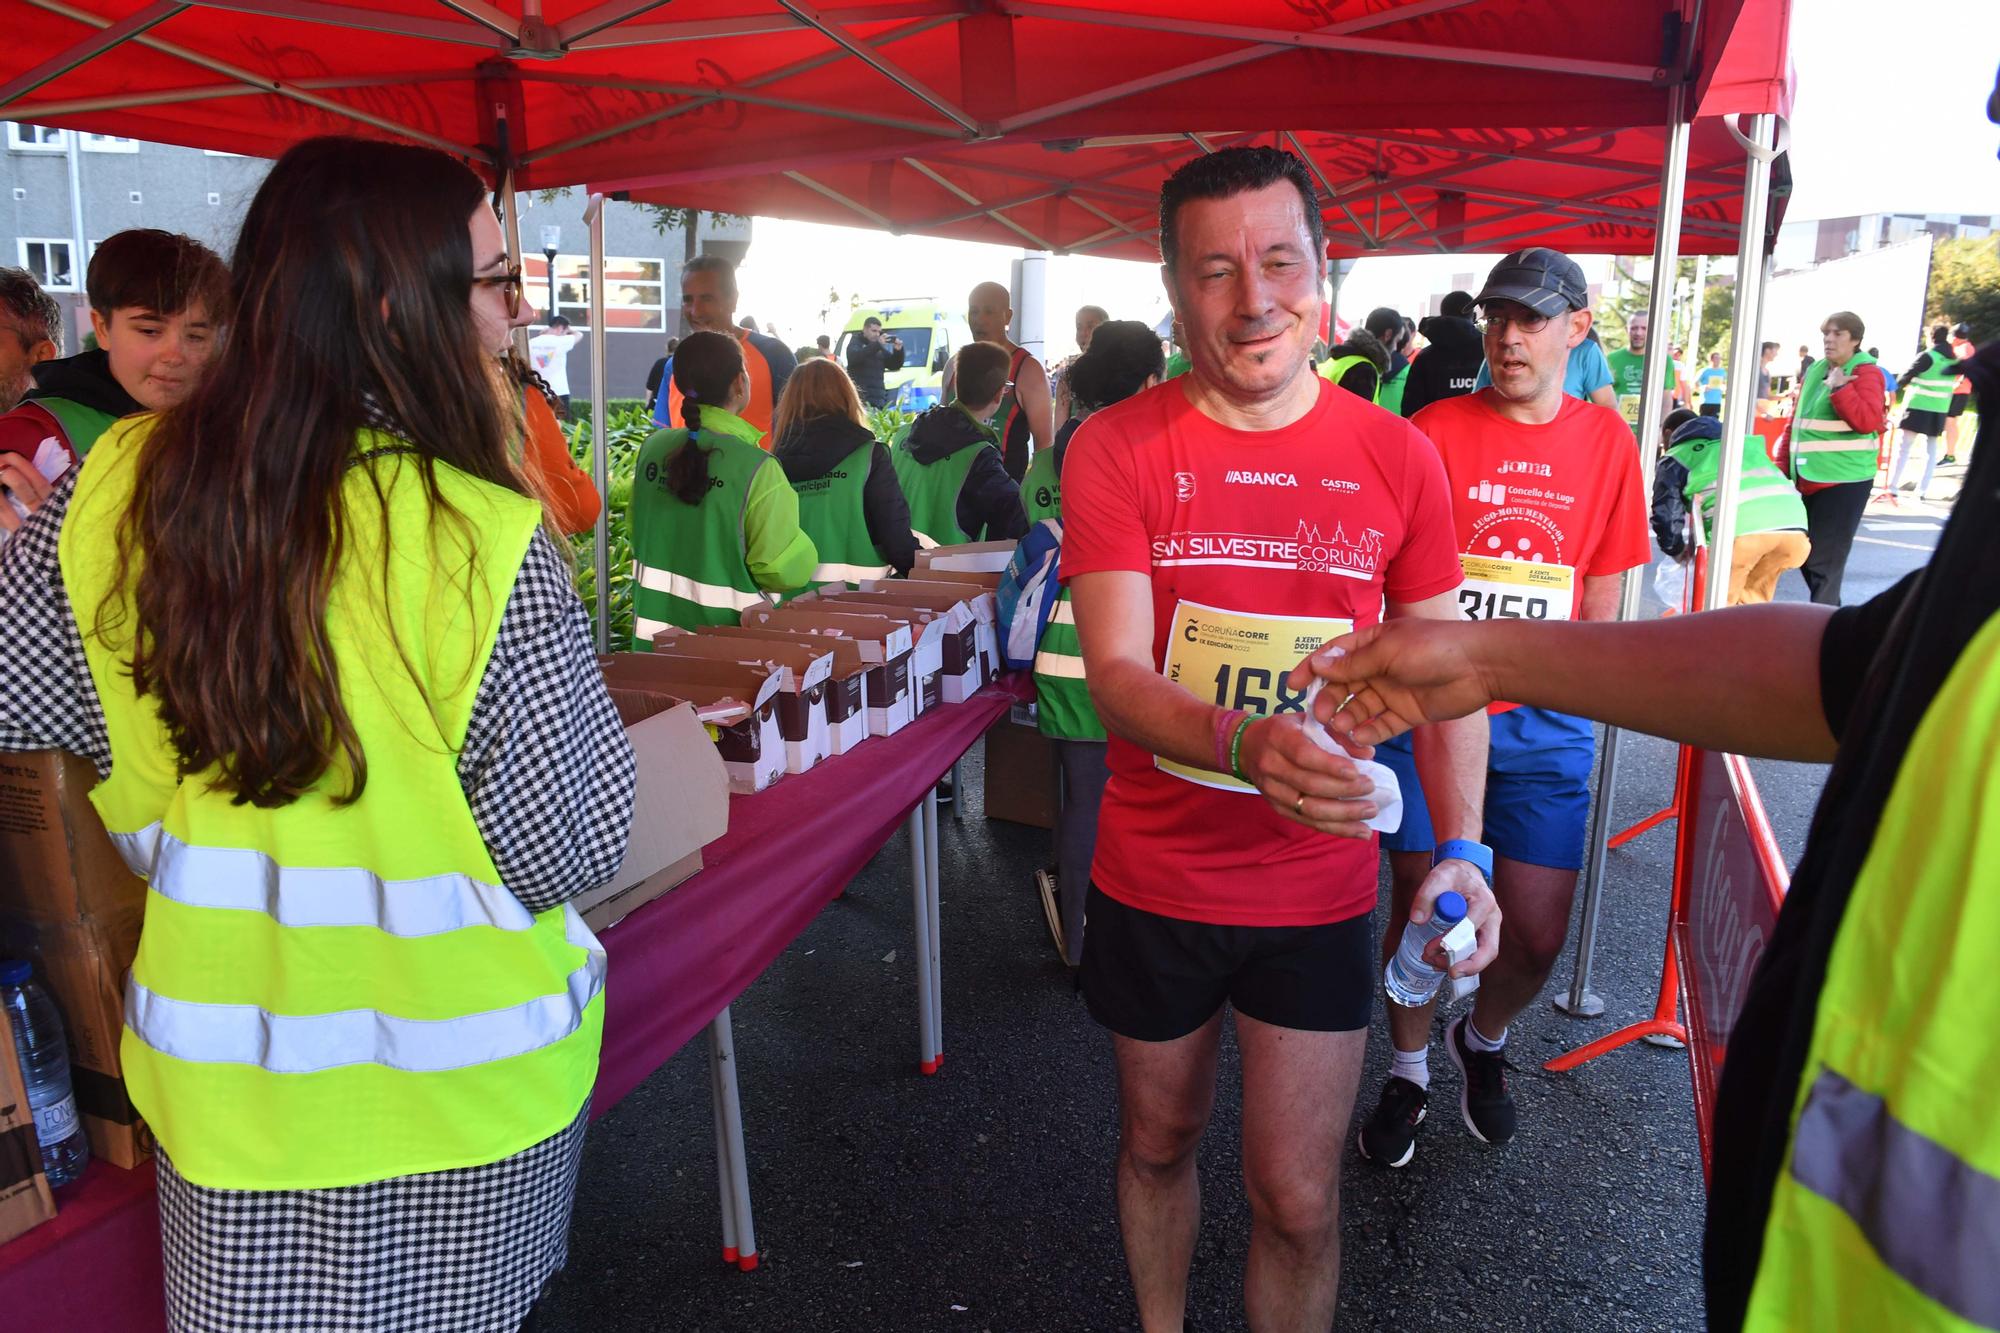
(341, 694)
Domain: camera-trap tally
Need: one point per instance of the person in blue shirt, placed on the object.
(1712, 382)
(1587, 376)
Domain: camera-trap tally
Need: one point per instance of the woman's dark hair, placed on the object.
(1941, 337)
(706, 367)
(1123, 354)
(239, 526)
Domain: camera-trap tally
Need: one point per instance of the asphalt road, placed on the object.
(980, 1199)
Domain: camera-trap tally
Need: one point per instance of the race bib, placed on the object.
(1628, 407)
(1497, 589)
(1234, 659)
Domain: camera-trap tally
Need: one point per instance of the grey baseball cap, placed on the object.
(1546, 281)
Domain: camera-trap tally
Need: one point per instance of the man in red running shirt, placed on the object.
(1220, 528)
(1550, 510)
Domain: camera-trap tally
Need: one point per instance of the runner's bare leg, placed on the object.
(1166, 1090)
(1298, 1096)
(1536, 902)
(1409, 1029)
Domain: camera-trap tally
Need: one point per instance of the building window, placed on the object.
(46, 139)
(634, 291)
(50, 261)
(107, 143)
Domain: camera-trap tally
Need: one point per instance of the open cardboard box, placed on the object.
(960, 664)
(68, 901)
(942, 596)
(927, 637)
(25, 1201)
(847, 681)
(969, 557)
(682, 804)
(752, 749)
(802, 694)
(886, 644)
(987, 608)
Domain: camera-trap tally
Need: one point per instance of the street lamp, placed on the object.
(551, 242)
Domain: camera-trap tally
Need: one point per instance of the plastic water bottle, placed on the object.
(38, 1040)
(1409, 980)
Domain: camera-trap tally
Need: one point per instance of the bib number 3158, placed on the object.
(1497, 589)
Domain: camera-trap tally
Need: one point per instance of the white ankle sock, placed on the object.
(1412, 1065)
(1479, 1041)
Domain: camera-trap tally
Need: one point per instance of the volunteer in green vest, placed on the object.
(850, 503)
(1395, 334)
(1831, 449)
(1855, 1150)
(1124, 359)
(1928, 386)
(1357, 365)
(715, 525)
(1628, 369)
(1770, 517)
(363, 763)
(949, 460)
(156, 301)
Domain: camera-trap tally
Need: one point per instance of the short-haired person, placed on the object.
(1928, 387)
(1088, 319)
(1713, 382)
(1218, 528)
(1396, 335)
(548, 354)
(1770, 516)
(364, 762)
(949, 458)
(1453, 356)
(1357, 364)
(869, 358)
(32, 323)
(1767, 399)
(657, 377)
(715, 525)
(1549, 511)
(850, 502)
(708, 304)
(1830, 449)
(1587, 374)
(1024, 420)
(1962, 348)
(1628, 369)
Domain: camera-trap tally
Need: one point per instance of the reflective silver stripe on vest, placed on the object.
(1064, 614)
(644, 629)
(1865, 444)
(1058, 664)
(139, 848)
(694, 590)
(925, 542)
(244, 880)
(1930, 1216)
(245, 1034)
(1826, 426)
(832, 573)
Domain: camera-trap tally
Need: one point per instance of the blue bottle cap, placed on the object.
(16, 972)
(1449, 908)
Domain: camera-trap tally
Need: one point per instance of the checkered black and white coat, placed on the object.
(549, 776)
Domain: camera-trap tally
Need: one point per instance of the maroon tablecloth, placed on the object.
(674, 964)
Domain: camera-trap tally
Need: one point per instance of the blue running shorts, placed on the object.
(1537, 789)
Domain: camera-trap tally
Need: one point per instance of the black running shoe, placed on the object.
(1484, 1102)
(945, 793)
(1389, 1137)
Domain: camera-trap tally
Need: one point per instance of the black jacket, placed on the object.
(814, 448)
(866, 364)
(84, 378)
(990, 499)
(1448, 366)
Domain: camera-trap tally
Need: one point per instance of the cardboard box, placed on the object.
(752, 748)
(885, 644)
(801, 694)
(682, 804)
(846, 686)
(68, 901)
(971, 557)
(940, 596)
(960, 668)
(1022, 779)
(25, 1201)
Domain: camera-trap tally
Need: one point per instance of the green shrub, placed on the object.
(629, 428)
(579, 409)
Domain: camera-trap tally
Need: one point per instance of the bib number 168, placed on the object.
(1256, 690)
(1484, 604)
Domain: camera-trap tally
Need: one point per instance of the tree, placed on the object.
(1965, 286)
(666, 219)
(1718, 309)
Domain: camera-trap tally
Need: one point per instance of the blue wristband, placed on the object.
(1478, 854)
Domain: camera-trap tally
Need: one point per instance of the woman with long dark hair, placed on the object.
(715, 525)
(333, 673)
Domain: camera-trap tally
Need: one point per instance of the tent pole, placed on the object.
(1744, 334)
(600, 429)
(1581, 1001)
(510, 229)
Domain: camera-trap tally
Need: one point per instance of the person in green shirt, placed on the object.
(1628, 369)
(715, 525)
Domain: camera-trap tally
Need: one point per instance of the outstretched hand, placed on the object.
(1401, 674)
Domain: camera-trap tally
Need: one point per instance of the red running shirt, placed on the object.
(1323, 518)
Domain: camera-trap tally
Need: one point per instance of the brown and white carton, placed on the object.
(846, 685)
(68, 901)
(989, 617)
(927, 636)
(752, 749)
(971, 557)
(801, 697)
(960, 668)
(25, 1201)
(885, 643)
(941, 596)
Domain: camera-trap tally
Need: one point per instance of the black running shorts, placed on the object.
(1157, 978)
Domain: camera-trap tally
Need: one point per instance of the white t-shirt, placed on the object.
(550, 354)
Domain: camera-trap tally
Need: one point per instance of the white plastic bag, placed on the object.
(1670, 581)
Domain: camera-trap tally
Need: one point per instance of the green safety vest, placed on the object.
(1934, 385)
(1884, 1213)
(1041, 488)
(1065, 709)
(1177, 365)
(1766, 501)
(1332, 370)
(1825, 448)
(329, 994)
(81, 425)
(833, 512)
(690, 563)
(932, 490)
(1389, 392)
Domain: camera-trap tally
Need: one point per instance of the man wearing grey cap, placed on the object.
(1549, 510)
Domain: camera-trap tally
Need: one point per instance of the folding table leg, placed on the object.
(957, 796)
(722, 1041)
(934, 891)
(725, 1176)
(921, 913)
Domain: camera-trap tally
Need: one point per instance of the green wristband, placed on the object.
(1236, 750)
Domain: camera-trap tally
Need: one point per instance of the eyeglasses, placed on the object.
(510, 286)
(1527, 322)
